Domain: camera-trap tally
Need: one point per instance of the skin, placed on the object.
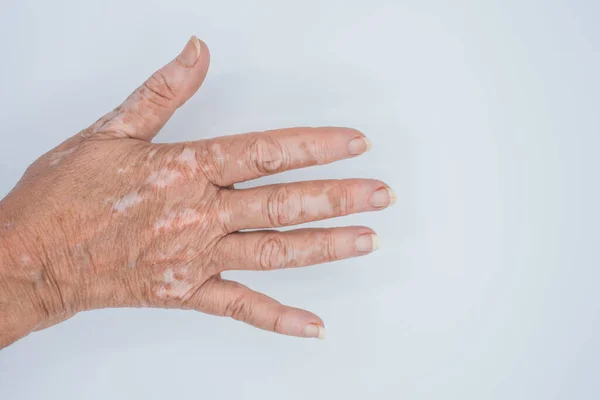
(109, 219)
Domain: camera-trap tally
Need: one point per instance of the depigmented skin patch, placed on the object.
(81, 256)
(164, 178)
(177, 220)
(290, 208)
(176, 284)
(188, 158)
(178, 290)
(218, 155)
(5, 226)
(128, 201)
(25, 259)
(168, 276)
(57, 157)
(309, 152)
(320, 205)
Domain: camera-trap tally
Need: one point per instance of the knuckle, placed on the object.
(210, 165)
(283, 208)
(277, 323)
(341, 198)
(328, 248)
(225, 214)
(238, 309)
(272, 252)
(267, 156)
(158, 91)
(320, 151)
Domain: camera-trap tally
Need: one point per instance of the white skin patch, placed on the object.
(108, 117)
(57, 157)
(173, 286)
(37, 276)
(25, 259)
(169, 276)
(320, 205)
(172, 251)
(151, 156)
(81, 256)
(305, 256)
(253, 205)
(177, 220)
(223, 216)
(218, 153)
(123, 170)
(188, 158)
(164, 178)
(177, 290)
(126, 202)
(240, 163)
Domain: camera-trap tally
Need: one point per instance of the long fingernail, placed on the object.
(314, 331)
(383, 197)
(358, 146)
(367, 243)
(190, 53)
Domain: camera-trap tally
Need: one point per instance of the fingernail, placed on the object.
(190, 53)
(358, 146)
(314, 331)
(367, 243)
(383, 197)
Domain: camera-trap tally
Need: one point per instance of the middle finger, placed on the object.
(300, 202)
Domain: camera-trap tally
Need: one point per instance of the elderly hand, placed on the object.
(108, 219)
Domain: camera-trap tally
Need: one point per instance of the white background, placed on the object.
(484, 116)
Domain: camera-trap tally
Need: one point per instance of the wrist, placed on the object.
(30, 295)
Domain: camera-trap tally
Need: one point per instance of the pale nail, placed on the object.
(358, 146)
(190, 53)
(314, 331)
(367, 243)
(383, 197)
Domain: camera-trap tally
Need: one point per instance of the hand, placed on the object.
(108, 219)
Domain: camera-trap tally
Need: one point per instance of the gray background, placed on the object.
(484, 119)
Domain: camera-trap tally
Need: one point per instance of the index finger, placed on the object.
(238, 158)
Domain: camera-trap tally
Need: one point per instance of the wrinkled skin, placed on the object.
(109, 219)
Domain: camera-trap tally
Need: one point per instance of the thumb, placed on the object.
(149, 107)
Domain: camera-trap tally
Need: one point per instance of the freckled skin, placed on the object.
(109, 219)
